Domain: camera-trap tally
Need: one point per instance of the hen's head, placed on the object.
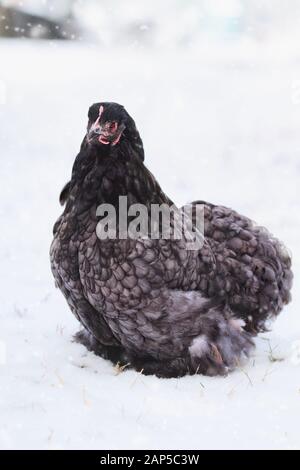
(109, 124)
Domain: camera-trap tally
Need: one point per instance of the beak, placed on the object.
(102, 135)
(95, 132)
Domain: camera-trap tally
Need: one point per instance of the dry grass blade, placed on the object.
(118, 368)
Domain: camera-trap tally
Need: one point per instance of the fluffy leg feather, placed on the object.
(221, 346)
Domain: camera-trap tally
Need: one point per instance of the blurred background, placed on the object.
(172, 23)
(214, 87)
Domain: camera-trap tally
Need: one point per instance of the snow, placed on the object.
(222, 127)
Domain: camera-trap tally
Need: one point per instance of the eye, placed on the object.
(112, 126)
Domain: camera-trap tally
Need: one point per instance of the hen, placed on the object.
(154, 303)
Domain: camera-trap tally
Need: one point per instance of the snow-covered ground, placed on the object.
(224, 127)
